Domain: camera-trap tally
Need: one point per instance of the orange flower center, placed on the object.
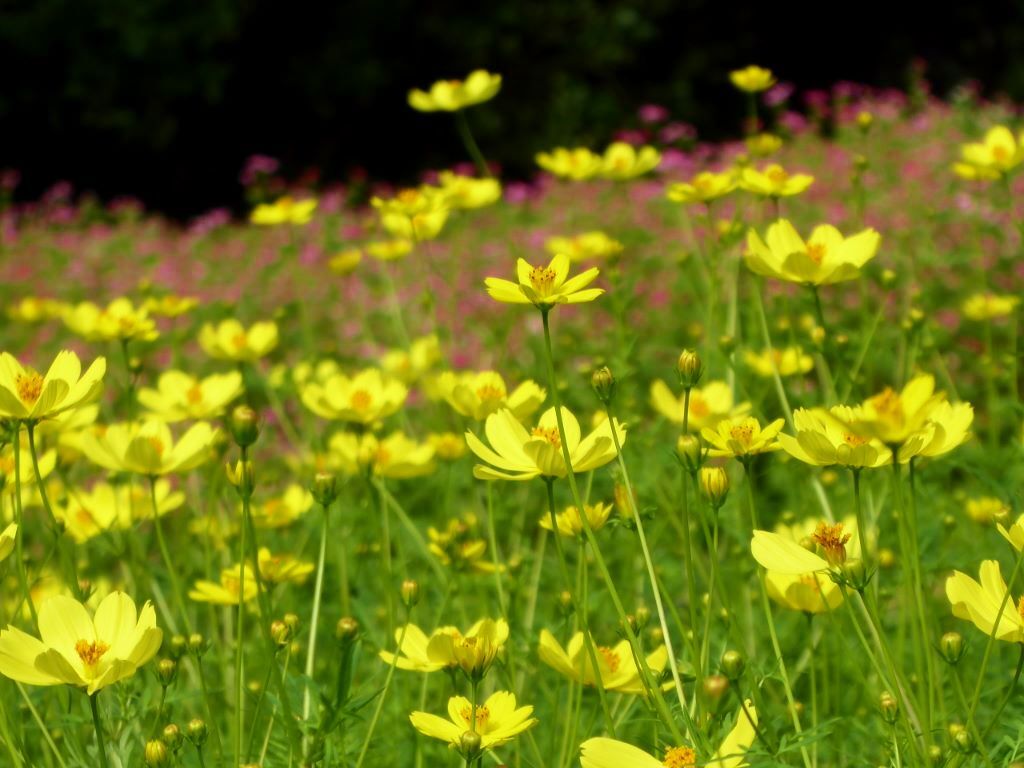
(1000, 153)
(680, 757)
(482, 714)
(542, 279)
(742, 433)
(816, 252)
(239, 340)
(489, 392)
(90, 653)
(382, 457)
(7, 465)
(194, 395)
(833, 541)
(29, 386)
(776, 174)
(157, 445)
(703, 183)
(361, 400)
(611, 658)
(408, 196)
(548, 433)
(699, 407)
(853, 440)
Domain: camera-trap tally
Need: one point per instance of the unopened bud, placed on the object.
(603, 383)
(410, 592)
(714, 690)
(167, 670)
(177, 646)
(864, 120)
(245, 426)
(347, 629)
(172, 737)
(292, 621)
(690, 369)
(469, 745)
(691, 452)
(936, 756)
(280, 633)
(714, 484)
(324, 488)
(889, 707)
(242, 476)
(157, 754)
(196, 731)
(643, 616)
(963, 742)
(856, 573)
(196, 644)
(565, 605)
(952, 647)
(733, 665)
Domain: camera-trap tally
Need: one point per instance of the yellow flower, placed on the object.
(805, 592)
(365, 398)
(467, 193)
(516, 454)
(602, 752)
(481, 393)
(284, 210)
(279, 511)
(344, 262)
(752, 79)
(570, 523)
(498, 721)
(587, 245)
(702, 188)
(894, 417)
(7, 540)
(822, 441)
(169, 305)
(709, 404)
(987, 510)
(774, 181)
(148, 448)
(452, 95)
(458, 546)
(33, 309)
(229, 340)
(448, 446)
(1014, 534)
(795, 550)
(27, 395)
(410, 365)
(226, 591)
(980, 603)
(8, 484)
(283, 569)
(107, 507)
(788, 362)
(948, 427)
(447, 647)
(544, 287)
(763, 144)
(996, 155)
(412, 215)
(396, 456)
(623, 161)
(577, 164)
(179, 396)
(989, 306)
(390, 250)
(79, 650)
(743, 437)
(617, 669)
(825, 258)
(119, 320)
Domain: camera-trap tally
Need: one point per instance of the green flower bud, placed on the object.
(952, 647)
(733, 665)
(603, 383)
(196, 731)
(156, 754)
(244, 426)
(690, 368)
(324, 488)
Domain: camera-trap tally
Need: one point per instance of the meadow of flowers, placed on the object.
(681, 454)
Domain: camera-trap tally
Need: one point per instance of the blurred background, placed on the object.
(164, 100)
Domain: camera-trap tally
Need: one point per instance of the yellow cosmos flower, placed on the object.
(602, 752)
(709, 404)
(948, 427)
(396, 456)
(763, 144)
(120, 320)
(459, 547)
(790, 361)
(452, 95)
(283, 568)
(739, 438)
(448, 446)
(478, 394)
(497, 721)
(1014, 534)
(412, 215)
(79, 650)
(284, 210)
(587, 245)
(229, 340)
(449, 648)
(577, 164)
(365, 398)
(823, 441)
(7, 539)
(344, 262)
(989, 306)
(895, 418)
(622, 161)
(705, 187)
(283, 510)
(774, 181)
(825, 258)
(570, 523)
(544, 287)
(467, 193)
(226, 591)
(148, 447)
(999, 153)
(34, 309)
(179, 396)
(410, 365)
(390, 250)
(169, 305)
(805, 592)
(980, 601)
(811, 547)
(107, 507)
(516, 454)
(8, 484)
(986, 510)
(617, 669)
(752, 79)
(30, 396)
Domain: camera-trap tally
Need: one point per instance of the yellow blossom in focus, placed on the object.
(365, 398)
(284, 210)
(31, 396)
(999, 153)
(478, 394)
(773, 181)
(570, 523)
(282, 510)
(790, 361)
(980, 602)
(823, 441)
(148, 448)
(229, 340)
(179, 395)
(283, 568)
(468, 193)
(106, 507)
(587, 245)
(742, 437)
(120, 320)
(752, 79)
(577, 164)
(705, 187)
(989, 306)
(226, 591)
(452, 95)
(421, 653)
(709, 404)
(811, 547)
(622, 161)
(948, 427)
(896, 418)
(396, 456)
(826, 257)
(497, 721)
(617, 670)
(544, 287)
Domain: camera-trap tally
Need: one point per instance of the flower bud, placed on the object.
(565, 605)
(864, 120)
(242, 476)
(178, 646)
(280, 633)
(347, 629)
(167, 670)
(156, 754)
(324, 488)
(603, 383)
(469, 745)
(714, 691)
(733, 665)
(196, 644)
(886, 558)
(952, 647)
(172, 737)
(691, 452)
(727, 343)
(244, 425)
(410, 592)
(642, 615)
(963, 742)
(889, 707)
(690, 369)
(856, 574)
(196, 731)
(714, 484)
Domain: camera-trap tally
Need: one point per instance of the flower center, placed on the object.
(194, 395)
(489, 392)
(742, 433)
(703, 183)
(157, 445)
(611, 658)
(542, 279)
(90, 653)
(816, 252)
(888, 406)
(776, 174)
(482, 714)
(833, 541)
(699, 407)
(29, 386)
(853, 440)
(361, 400)
(408, 196)
(239, 340)
(548, 433)
(382, 457)
(1000, 153)
(680, 757)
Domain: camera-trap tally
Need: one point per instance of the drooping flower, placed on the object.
(478, 394)
(709, 404)
(497, 721)
(179, 395)
(811, 547)
(30, 396)
(544, 287)
(617, 670)
(284, 210)
(229, 340)
(452, 95)
(284, 509)
(447, 647)
(752, 79)
(460, 547)
(980, 601)
(739, 438)
(900, 418)
(823, 441)
(283, 568)
(365, 398)
(148, 448)
(825, 258)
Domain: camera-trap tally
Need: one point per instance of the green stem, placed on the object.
(240, 634)
(101, 744)
(172, 570)
(470, 143)
(314, 621)
(385, 547)
(384, 694)
(19, 518)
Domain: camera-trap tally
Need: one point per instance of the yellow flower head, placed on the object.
(544, 287)
(809, 547)
(999, 153)
(283, 568)
(948, 427)
(577, 164)
(410, 365)
(709, 404)
(228, 589)
(25, 394)
(448, 446)
(479, 394)
(396, 456)
(587, 245)
(467, 193)
(412, 215)
(570, 523)
(790, 361)
(622, 161)
(774, 181)
(763, 144)
(826, 257)
(79, 650)
(120, 320)
(390, 250)
(989, 306)
(364, 398)
(705, 187)
(980, 602)
(148, 448)
(894, 418)
(518, 454)
(229, 340)
(497, 721)
(752, 79)
(34, 309)
(106, 507)
(986, 510)
(823, 441)
(739, 438)
(617, 670)
(447, 647)
(169, 305)
(284, 210)
(452, 95)
(459, 547)
(179, 396)
(344, 262)
(283, 510)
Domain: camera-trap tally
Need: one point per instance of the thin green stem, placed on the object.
(172, 570)
(462, 124)
(314, 622)
(19, 518)
(384, 693)
(101, 743)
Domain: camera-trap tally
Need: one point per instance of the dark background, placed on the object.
(164, 99)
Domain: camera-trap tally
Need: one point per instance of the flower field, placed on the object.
(678, 454)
